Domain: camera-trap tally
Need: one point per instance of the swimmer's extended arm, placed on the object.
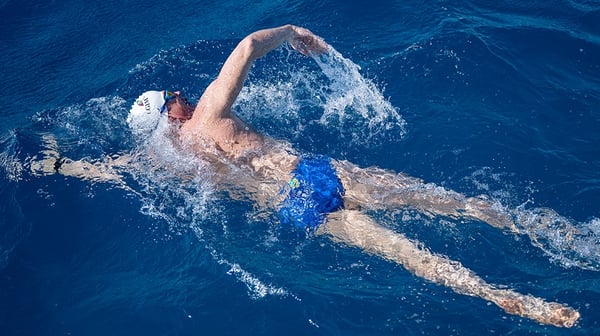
(50, 162)
(220, 95)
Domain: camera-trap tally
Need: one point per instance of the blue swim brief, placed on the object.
(314, 191)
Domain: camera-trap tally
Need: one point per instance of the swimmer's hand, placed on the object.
(307, 43)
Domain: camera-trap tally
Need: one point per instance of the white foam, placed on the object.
(256, 288)
(338, 97)
(567, 243)
(348, 89)
(177, 184)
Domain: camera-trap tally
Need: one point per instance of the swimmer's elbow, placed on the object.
(248, 48)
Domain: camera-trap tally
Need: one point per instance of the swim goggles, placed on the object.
(169, 96)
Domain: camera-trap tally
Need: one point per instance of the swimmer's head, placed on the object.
(148, 110)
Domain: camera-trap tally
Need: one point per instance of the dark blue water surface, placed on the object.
(499, 98)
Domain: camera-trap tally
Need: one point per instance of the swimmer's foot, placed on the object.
(543, 312)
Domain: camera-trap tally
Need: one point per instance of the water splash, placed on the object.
(567, 243)
(332, 98)
(91, 129)
(349, 92)
(177, 185)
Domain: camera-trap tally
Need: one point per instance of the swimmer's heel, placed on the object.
(528, 306)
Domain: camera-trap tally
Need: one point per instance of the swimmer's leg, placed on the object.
(378, 188)
(356, 229)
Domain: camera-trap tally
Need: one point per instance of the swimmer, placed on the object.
(321, 195)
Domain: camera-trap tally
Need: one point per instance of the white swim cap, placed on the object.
(146, 113)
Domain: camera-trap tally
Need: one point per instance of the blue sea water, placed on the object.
(498, 98)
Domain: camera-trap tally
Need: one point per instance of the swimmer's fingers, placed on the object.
(47, 165)
(307, 43)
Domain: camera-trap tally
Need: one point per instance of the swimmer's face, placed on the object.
(179, 108)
